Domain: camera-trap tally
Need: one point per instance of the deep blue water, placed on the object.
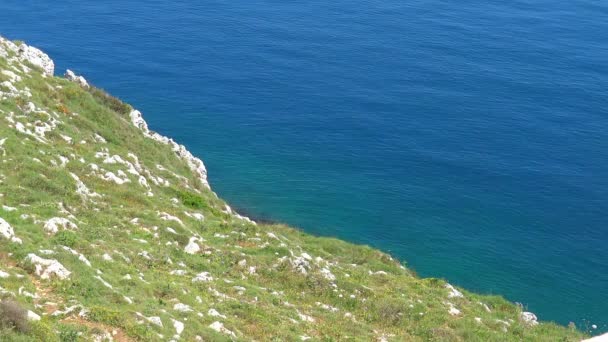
(468, 138)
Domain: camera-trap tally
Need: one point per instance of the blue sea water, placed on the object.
(467, 138)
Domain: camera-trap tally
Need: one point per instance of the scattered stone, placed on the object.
(168, 217)
(192, 247)
(219, 327)
(156, 321)
(327, 274)
(197, 216)
(32, 316)
(82, 189)
(179, 326)
(180, 307)
(305, 318)
(453, 310)
(202, 277)
(105, 283)
(52, 226)
(214, 313)
(454, 293)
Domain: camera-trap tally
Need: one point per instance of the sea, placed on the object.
(468, 139)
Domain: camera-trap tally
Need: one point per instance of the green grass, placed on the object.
(372, 295)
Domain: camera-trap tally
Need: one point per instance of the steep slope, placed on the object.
(110, 231)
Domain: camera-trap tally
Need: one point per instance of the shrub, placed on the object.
(13, 316)
(66, 238)
(110, 101)
(42, 331)
(68, 333)
(107, 316)
(191, 200)
(389, 312)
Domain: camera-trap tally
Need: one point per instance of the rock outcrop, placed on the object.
(29, 54)
(7, 232)
(47, 268)
(70, 75)
(196, 165)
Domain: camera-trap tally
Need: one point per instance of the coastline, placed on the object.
(198, 169)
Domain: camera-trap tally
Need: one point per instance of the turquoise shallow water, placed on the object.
(467, 138)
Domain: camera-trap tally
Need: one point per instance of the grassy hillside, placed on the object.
(108, 233)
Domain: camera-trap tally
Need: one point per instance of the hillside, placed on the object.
(109, 231)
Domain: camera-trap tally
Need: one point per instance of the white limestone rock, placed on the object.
(168, 217)
(80, 256)
(529, 318)
(196, 216)
(154, 319)
(305, 318)
(454, 293)
(82, 189)
(196, 165)
(7, 232)
(301, 263)
(105, 283)
(47, 268)
(326, 273)
(71, 76)
(192, 247)
(181, 307)
(204, 277)
(219, 327)
(37, 58)
(178, 326)
(32, 316)
(215, 313)
(119, 179)
(452, 310)
(53, 225)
